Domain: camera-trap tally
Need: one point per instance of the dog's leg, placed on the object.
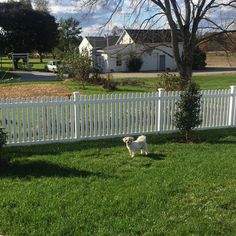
(141, 151)
(132, 155)
(145, 149)
(130, 152)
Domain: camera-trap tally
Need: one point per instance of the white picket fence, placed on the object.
(46, 120)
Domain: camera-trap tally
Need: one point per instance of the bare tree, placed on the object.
(188, 20)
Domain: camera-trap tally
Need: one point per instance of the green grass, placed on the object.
(95, 188)
(37, 65)
(130, 85)
(217, 81)
(6, 64)
(142, 85)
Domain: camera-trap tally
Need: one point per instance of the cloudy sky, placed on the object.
(93, 23)
(125, 17)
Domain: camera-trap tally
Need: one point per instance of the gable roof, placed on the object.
(101, 42)
(141, 36)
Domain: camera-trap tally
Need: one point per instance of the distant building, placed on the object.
(111, 53)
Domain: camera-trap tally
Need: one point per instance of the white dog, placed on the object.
(134, 146)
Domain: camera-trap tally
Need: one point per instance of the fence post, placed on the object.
(160, 109)
(76, 96)
(232, 105)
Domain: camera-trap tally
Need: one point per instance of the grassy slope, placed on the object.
(95, 188)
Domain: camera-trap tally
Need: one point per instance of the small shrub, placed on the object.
(78, 65)
(134, 62)
(95, 77)
(170, 82)
(109, 84)
(187, 117)
(60, 72)
(132, 82)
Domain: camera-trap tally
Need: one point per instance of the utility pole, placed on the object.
(107, 36)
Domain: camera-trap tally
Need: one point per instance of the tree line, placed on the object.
(24, 29)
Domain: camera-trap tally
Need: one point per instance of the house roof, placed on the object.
(114, 47)
(149, 36)
(102, 42)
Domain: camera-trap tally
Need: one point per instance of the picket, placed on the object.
(45, 120)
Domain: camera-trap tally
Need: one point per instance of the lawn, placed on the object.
(95, 188)
(6, 64)
(217, 81)
(126, 85)
(129, 85)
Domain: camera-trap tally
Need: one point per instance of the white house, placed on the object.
(93, 44)
(153, 46)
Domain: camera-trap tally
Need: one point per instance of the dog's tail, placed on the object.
(141, 138)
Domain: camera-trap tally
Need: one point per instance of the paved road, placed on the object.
(35, 76)
(207, 71)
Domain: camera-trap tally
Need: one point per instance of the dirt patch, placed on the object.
(34, 90)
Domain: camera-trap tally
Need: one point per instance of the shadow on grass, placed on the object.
(213, 136)
(217, 136)
(24, 169)
(156, 157)
(59, 148)
(220, 136)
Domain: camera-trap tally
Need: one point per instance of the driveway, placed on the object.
(36, 76)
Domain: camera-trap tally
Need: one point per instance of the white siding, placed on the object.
(125, 39)
(151, 59)
(85, 45)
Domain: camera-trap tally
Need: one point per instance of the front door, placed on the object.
(162, 62)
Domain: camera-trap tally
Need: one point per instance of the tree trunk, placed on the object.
(185, 65)
(41, 57)
(185, 73)
(15, 61)
(183, 61)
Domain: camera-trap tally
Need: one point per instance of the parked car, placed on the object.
(53, 66)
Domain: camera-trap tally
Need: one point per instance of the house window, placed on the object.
(118, 60)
